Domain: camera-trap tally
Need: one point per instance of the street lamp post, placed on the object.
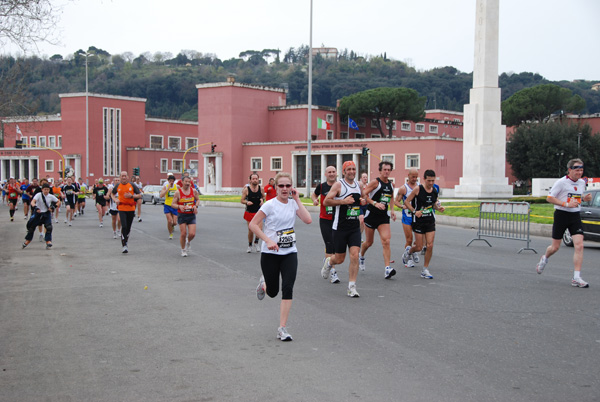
(559, 156)
(87, 119)
(578, 144)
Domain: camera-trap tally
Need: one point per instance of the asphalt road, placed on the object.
(79, 324)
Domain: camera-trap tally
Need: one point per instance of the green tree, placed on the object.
(538, 103)
(543, 150)
(387, 104)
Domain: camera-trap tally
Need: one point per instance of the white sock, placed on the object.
(350, 284)
(576, 274)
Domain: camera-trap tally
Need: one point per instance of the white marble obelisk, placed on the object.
(484, 136)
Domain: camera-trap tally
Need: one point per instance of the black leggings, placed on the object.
(272, 266)
(126, 222)
(327, 233)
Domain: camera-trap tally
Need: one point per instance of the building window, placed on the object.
(60, 166)
(329, 134)
(111, 141)
(276, 163)
(361, 122)
(433, 129)
(193, 168)
(360, 135)
(388, 158)
(190, 142)
(413, 161)
(164, 165)
(33, 141)
(420, 128)
(329, 118)
(24, 139)
(174, 142)
(405, 126)
(156, 141)
(393, 125)
(255, 164)
(51, 141)
(42, 142)
(177, 165)
(344, 135)
(375, 135)
(49, 166)
(373, 123)
(59, 144)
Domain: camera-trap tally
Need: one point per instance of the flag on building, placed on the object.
(323, 124)
(352, 124)
(19, 132)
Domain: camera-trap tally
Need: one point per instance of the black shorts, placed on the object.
(186, 219)
(26, 201)
(345, 238)
(327, 234)
(113, 212)
(422, 227)
(13, 201)
(70, 204)
(81, 200)
(564, 220)
(374, 220)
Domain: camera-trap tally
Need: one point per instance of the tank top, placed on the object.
(12, 192)
(187, 200)
(383, 193)
(406, 212)
(425, 202)
(346, 216)
(254, 197)
(170, 193)
(325, 212)
(125, 204)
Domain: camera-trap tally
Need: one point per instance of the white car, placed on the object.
(152, 194)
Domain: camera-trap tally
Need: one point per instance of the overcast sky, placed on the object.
(557, 39)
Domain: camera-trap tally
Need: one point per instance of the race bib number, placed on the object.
(574, 197)
(329, 210)
(69, 192)
(171, 193)
(12, 195)
(385, 199)
(427, 211)
(353, 212)
(101, 192)
(286, 238)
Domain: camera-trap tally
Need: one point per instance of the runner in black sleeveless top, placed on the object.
(252, 197)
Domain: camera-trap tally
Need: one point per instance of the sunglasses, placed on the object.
(284, 185)
(577, 167)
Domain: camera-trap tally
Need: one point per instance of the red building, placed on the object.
(251, 126)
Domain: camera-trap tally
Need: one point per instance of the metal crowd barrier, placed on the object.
(504, 220)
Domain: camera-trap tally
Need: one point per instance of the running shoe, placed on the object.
(361, 262)
(188, 246)
(125, 249)
(249, 249)
(326, 270)
(183, 253)
(425, 274)
(260, 289)
(139, 218)
(70, 224)
(579, 283)
(352, 291)
(23, 245)
(119, 233)
(541, 265)
(406, 255)
(257, 247)
(75, 214)
(65, 221)
(48, 246)
(114, 235)
(283, 334)
(12, 218)
(170, 236)
(333, 278)
(56, 221)
(25, 217)
(409, 264)
(389, 272)
(101, 224)
(41, 237)
(415, 257)
(424, 250)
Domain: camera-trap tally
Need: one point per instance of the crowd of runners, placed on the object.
(348, 207)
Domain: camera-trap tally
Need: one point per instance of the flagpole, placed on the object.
(308, 149)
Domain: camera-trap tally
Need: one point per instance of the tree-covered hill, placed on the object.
(31, 85)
